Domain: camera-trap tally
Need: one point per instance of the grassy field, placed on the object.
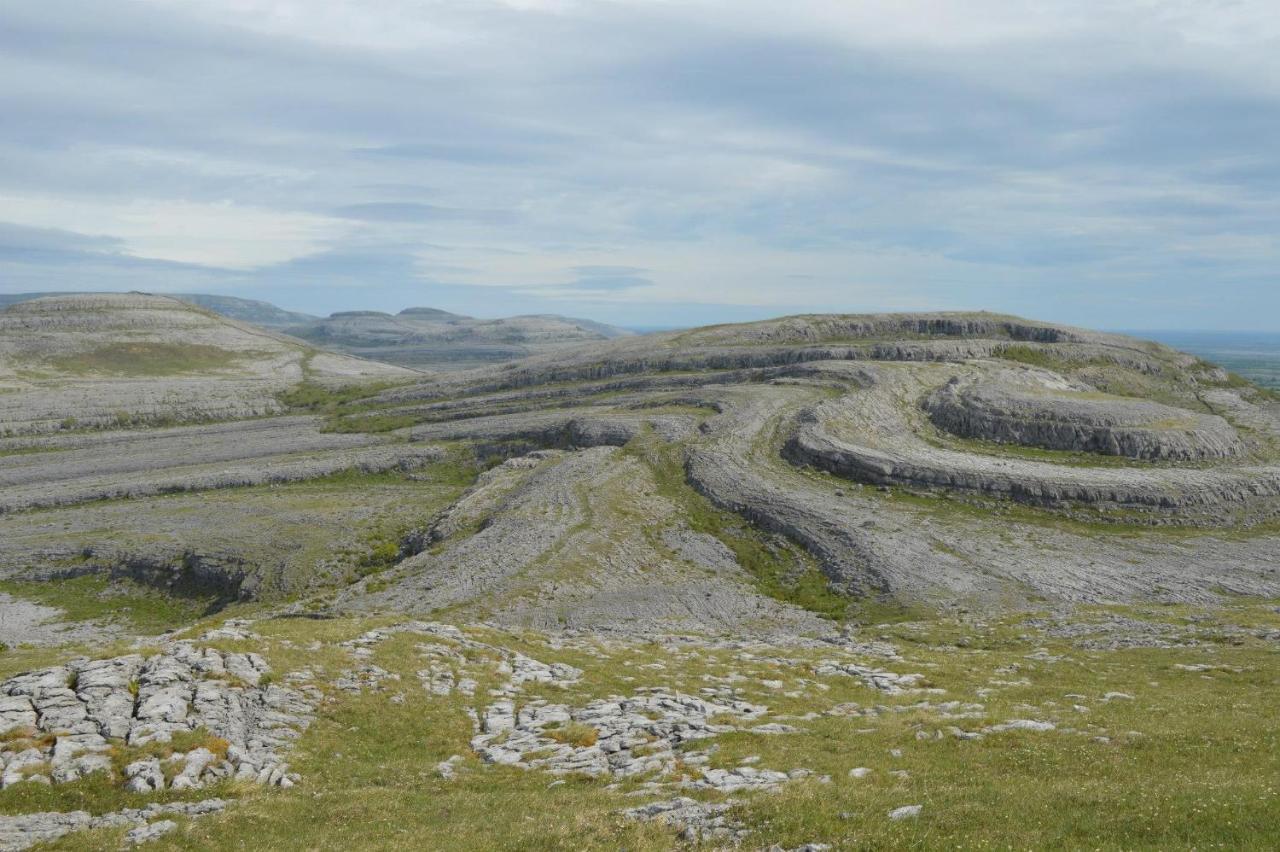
(149, 358)
(1184, 754)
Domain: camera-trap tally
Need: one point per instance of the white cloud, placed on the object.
(879, 153)
(220, 234)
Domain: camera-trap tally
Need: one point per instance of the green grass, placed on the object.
(95, 597)
(313, 396)
(777, 567)
(349, 408)
(1033, 356)
(147, 358)
(1191, 762)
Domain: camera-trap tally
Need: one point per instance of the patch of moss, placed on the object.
(149, 358)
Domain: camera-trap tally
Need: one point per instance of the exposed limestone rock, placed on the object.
(529, 517)
(26, 830)
(196, 458)
(693, 820)
(1039, 409)
(885, 681)
(631, 735)
(868, 436)
(73, 716)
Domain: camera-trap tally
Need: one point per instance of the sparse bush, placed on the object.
(574, 734)
(1031, 356)
(179, 742)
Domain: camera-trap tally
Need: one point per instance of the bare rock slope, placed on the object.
(728, 479)
(943, 457)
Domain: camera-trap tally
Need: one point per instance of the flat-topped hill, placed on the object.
(98, 359)
(958, 422)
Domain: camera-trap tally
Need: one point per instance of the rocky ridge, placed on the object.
(1036, 409)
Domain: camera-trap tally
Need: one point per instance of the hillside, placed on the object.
(928, 580)
(428, 338)
(99, 359)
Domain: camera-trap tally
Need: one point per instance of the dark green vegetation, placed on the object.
(93, 597)
(312, 396)
(347, 409)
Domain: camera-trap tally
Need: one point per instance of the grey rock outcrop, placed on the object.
(869, 436)
(1043, 410)
(66, 721)
(26, 830)
(134, 464)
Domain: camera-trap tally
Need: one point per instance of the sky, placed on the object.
(652, 162)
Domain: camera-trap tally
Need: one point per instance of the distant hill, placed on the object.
(253, 311)
(260, 313)
(429, 338)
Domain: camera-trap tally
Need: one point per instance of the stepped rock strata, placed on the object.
(589, 519)
(869, 435)
(195, 458)
(1048, 412)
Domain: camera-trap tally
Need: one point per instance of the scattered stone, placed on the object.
(447, 768)
(885, 681)
(905, 812)
(147, 833)
(1021, 725)
(693, 820)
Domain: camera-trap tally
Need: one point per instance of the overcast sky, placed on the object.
(1110, 163)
